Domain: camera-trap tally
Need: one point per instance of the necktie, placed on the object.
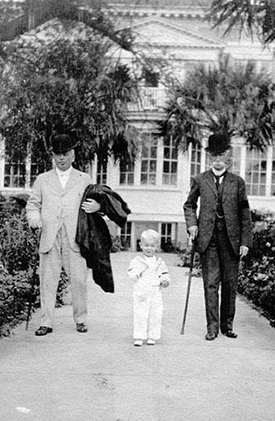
(217, 179)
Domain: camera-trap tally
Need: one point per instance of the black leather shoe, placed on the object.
(210, 336)
(81, 328)
(43, 330)
(230, 334)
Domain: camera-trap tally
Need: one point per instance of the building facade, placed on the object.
(156, 185)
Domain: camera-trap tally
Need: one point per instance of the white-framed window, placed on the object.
(256, 167)
(148, 172)
(195, 161)
(126, 173)
(170, 162)
(101, 175)
(255, 172)
(125, 235)
(21, 172)
(166, 236)
(14, 173)
(36, 168)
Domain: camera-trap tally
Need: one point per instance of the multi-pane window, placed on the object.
(170, 163)
(166, 236)
(15, 174)
(148, 160)
(126, 175)
(125, 236)
(195, 168)
(101, 176)
(38, 168)
(236, 160)
(255, 174)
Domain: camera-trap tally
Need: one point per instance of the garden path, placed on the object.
(101, 376)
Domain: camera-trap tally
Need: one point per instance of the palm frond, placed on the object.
(236, 101)
(251, 17)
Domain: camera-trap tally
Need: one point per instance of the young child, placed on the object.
(150, 275)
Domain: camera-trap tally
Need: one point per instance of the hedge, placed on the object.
(18, 265)
(257, 272)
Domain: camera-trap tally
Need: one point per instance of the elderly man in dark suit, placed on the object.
(222, 233)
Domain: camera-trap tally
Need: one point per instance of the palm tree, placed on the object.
(236, 101)
(255, 17)
(66, 81)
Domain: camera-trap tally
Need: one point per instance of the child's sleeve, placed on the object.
(164, 273)
(136, 268)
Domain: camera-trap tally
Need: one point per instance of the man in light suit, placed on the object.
(222, 233)
(53, 207)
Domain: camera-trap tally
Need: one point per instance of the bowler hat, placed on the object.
(62, 143)
(218, 143)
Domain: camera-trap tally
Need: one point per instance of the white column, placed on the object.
(268, 170)
(159, 163)
(2, 161)
(133, 236)
(93, 170)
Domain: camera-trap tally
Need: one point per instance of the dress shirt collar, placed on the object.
(64, 173)
(218, 173)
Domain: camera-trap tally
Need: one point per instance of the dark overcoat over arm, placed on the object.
(92, 234)
(235, 206)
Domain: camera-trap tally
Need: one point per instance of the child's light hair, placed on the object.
(150, 235)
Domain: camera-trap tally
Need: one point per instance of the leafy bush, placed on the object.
(19, 266)
(18, 243)
(13, 299)
(257, 272)
(185, 260)
(116, 244)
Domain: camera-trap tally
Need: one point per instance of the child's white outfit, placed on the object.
(148, 274)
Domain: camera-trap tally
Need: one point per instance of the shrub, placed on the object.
(185, 258)
(19, 266)
(14, 294)
(116, 244)
(257, 272)
(18, 243)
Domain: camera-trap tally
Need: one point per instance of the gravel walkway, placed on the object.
(101, 376)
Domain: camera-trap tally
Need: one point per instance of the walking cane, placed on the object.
(33, 279)
(188, 287)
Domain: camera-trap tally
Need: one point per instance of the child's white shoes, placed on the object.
(139, 342)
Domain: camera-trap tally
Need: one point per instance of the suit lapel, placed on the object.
(228, 180)
(54, 182)
(72, 181)
(56, 185)
(210, 181)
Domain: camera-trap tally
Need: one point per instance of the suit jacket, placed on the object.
(235, 206)
(56, 205)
